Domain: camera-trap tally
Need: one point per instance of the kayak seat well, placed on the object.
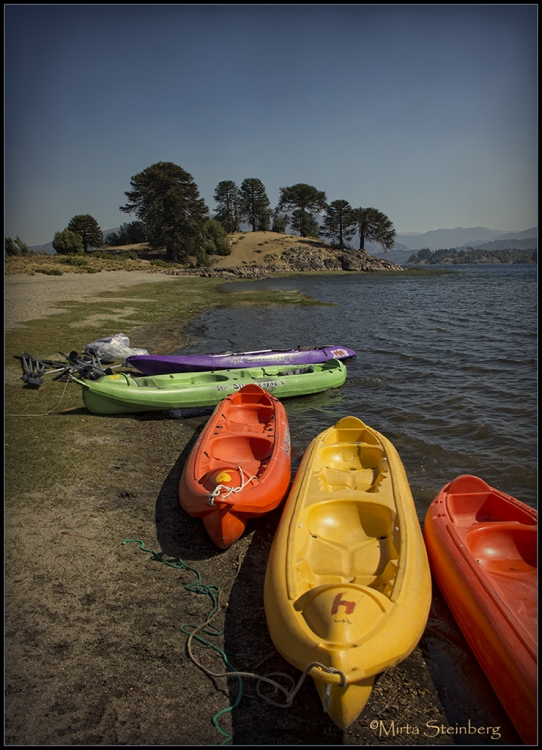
(507, 555)
(207, 377)
(253, 395)
(484, 507)
(245, 450)
(252, 415)
(351, 466)
(119, 378)
(351, 430)
(504, 548)
(228, 452)
(348, 541)
(342, 614)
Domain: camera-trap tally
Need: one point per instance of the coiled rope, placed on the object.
(220, 487)
(196, 631)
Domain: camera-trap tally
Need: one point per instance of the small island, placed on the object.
(471, 256)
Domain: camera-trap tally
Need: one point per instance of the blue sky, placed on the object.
(425, 112)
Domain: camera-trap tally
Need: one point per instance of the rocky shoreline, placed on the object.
(299, 260)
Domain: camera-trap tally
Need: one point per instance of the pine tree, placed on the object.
(374, 226)
(338, 223)
(254, 204)
(227, 198)
(305, 201)
(87, 228)
(166, 199)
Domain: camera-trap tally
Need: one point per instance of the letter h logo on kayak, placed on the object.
(338, 602)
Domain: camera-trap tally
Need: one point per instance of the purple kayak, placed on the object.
(163, 364)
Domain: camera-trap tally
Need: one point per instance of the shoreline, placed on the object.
(32, 290)
(93, 650)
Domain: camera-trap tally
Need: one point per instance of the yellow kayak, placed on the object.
(348, 585)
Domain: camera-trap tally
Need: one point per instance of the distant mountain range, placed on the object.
(436, 239)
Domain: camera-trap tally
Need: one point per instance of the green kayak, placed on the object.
(124, 394)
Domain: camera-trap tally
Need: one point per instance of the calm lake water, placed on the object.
(447, 370)
(446, 366)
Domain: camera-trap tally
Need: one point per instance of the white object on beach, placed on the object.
(113, 347)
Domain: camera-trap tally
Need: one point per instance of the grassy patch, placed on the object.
(57, 264)
(49, 271)
(51, 439)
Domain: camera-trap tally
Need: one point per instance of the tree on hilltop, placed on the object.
(338, 225)
(227, 198)
(373, 226)
(166, 199)
(305, 201)
(87, 228)
(254, 206)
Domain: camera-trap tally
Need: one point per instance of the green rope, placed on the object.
(192, 631)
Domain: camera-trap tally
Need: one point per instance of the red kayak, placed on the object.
(240, 466)
(482, 549)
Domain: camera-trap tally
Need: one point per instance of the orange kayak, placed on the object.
(240, 466)
(482, 549)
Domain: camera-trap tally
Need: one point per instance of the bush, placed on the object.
(68, 243)
(49, 271)
(133, 233)
(164, 264)
(16, 246)
(10, 247)
(74, 260)
(112, 239)
(202, 259)
(279, 224)
(215, 238)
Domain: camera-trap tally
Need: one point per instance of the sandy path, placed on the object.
(31, 297)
